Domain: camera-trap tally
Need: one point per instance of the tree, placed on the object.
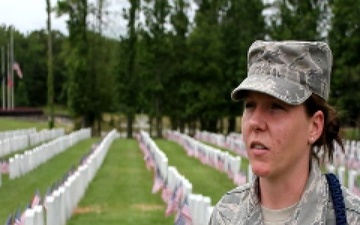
(237, 34)
(204, 100)
(128, 82)
(81, 85)
(301, 20)
(344, 39)
(158, 47)
(176, 90)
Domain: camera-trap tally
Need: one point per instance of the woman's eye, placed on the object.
(277, 106)
(249, 105)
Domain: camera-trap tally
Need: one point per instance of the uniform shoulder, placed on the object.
(352, 201)
(240, 189)
(237, 193)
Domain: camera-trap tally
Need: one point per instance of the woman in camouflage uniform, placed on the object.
(286, 120)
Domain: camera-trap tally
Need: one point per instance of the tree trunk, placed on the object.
(129, 130)
(212, 125)
(174, 123)
(151, 125)
(182, 126)
(158, 117)
(232, 124)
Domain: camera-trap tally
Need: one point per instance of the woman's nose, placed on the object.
(257, 119)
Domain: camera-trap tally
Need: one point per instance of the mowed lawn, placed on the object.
(121, 191)
(8, 124)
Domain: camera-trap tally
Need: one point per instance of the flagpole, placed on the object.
(8, 78)
(12, 71)
(3, 76)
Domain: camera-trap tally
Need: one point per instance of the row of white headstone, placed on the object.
(17, 132)
(233, 141)
(346, 165)
(21, 164)
(212, 156)
(16, 141)
(199, 205)
(59, 206)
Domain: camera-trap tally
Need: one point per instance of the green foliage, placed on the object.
(237, 34)
(344, 38)
(302, 20)
(157, 48)
(21, 95)
(177, 40)
(15, 124)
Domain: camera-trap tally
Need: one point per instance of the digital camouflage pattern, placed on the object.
(290, 70)
(241, 205)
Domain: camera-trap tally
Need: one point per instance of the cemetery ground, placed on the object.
(120, 193)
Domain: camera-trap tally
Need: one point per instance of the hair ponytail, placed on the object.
(330, 135)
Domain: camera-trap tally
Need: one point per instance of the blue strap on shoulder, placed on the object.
(338, 199)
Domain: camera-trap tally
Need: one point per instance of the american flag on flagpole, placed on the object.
(10, 83)
(16, 67)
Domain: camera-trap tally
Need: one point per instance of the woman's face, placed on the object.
(276, 135)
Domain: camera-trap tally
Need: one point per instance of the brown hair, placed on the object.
(331, 133)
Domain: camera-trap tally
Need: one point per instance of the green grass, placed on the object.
(18, 192)
(352, 133)
(7, 124)
(206, 180)
(121, 191)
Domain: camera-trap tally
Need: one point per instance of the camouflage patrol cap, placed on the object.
(288, 70)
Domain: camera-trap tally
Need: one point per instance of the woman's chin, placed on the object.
(260, 170)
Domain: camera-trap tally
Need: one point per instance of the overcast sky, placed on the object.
(30, 15)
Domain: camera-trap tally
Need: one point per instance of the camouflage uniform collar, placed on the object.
(312, 206)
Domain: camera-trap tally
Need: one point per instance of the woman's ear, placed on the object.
(316, 126)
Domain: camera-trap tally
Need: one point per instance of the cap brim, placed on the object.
(285, 90)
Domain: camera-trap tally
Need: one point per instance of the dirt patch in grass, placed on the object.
(148, 207)
(88, 209)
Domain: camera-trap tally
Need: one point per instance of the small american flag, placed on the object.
(36, 200)
(239, 178)
(165, 194)
(9, 220)
(4, 167)
(158, 182)
(18, 219)
(173, 203)
(184, 216)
